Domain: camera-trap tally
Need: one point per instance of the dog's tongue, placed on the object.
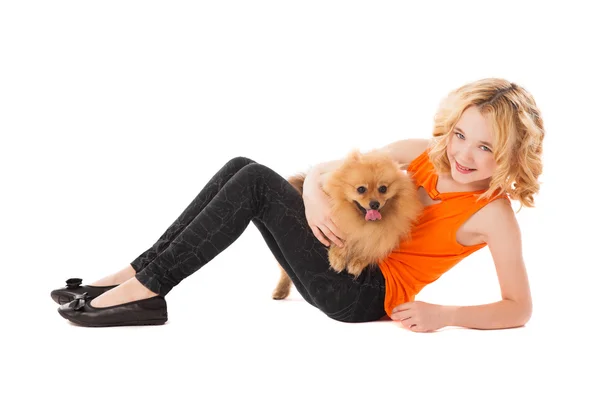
(372, 215)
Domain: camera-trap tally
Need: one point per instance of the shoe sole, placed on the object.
(159, 321)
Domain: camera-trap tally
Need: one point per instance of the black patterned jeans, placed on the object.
(243, 191)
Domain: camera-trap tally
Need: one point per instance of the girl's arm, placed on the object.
(499, 315)
(316, 176)
(499, 228)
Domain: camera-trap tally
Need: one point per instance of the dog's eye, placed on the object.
(382, 189)
(361, 189)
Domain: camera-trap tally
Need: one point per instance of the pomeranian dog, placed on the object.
(374, 203)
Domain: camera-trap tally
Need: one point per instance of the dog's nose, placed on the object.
(374, 205)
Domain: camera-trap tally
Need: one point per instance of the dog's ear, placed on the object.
(354, 155)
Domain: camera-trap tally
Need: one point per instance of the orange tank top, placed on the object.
(432, 248)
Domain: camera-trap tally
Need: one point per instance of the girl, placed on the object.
(485, 151)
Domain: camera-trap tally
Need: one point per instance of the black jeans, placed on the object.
(243, 191)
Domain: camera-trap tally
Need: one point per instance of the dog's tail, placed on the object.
(297, 182)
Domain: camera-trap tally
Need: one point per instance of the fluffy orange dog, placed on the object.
(374, 203)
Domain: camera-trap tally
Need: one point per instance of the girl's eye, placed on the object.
(361, 189)
(461, 136)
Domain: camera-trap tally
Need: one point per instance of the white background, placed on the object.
(114, 114)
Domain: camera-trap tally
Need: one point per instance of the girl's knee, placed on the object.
(241, 161)
(258, 171)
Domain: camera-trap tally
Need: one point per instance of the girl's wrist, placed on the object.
(449, 315)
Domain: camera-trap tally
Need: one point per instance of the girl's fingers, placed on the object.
(319, 236)
(331, 236)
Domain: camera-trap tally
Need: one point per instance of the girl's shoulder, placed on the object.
(405, 151)
(498, 211)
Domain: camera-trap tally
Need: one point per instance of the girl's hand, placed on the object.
(318, 215)
(419, 316)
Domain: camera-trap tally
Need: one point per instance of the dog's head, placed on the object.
(367, 181)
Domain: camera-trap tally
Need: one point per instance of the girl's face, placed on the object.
(470, 147)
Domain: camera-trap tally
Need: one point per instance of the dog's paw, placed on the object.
(337, 261)
(283, 286)
(280, 294)
(356, 267)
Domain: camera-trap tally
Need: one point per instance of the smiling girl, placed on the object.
(485, 151)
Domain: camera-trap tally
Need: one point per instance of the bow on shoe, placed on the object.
(78, 301)
(73, 283)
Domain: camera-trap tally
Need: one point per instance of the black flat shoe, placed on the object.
(74, 287)
(151, 311)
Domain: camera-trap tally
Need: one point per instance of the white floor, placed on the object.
(115, 115)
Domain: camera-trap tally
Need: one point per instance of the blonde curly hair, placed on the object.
(518, 131)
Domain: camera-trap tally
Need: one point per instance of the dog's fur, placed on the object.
(366, 241)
